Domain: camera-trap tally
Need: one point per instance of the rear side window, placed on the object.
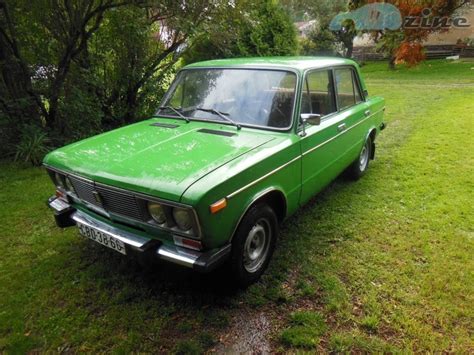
(318, 93)
(348, 93)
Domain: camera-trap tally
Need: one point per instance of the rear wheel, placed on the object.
(358, 168)
(253, 244)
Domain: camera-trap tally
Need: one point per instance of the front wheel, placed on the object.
(253, 244)
(360, 165)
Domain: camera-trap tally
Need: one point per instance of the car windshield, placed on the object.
(243, 96)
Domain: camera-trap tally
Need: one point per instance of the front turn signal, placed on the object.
(219, 205)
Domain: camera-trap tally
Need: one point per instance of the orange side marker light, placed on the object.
(219, 205)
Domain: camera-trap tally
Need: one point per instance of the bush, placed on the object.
(33, 146)
(320, 41)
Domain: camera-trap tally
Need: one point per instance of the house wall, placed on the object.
(454, 34)
(446, 38)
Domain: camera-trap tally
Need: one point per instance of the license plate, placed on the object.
(102, 238)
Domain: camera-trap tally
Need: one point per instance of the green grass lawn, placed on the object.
(382, 264)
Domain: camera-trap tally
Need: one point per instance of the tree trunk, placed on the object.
(18, 101)
(391, 62)
(349, 49)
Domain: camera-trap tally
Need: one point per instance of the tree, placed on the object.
(269, 31)
(247, 29)
(69, 24)
(73, 68)
(320, 39)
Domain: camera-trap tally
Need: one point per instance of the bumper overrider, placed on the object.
(66, 215)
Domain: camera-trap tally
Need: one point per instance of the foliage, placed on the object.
(188, 347)
(270, 33)
(320, 41)
(77, 68)
(410, 53)
(248, 29)
(33, 145)
(74, 69)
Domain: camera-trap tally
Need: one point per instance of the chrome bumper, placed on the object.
(200, 261)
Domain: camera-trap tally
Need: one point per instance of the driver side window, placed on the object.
(318, 93)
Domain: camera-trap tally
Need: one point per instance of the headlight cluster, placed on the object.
(63, 182)
(181, 217)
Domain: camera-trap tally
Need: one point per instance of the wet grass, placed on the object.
(305, 330)
(382, 264)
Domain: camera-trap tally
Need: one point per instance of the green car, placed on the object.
(236, 147)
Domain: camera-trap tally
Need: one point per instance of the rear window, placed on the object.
(348, 93)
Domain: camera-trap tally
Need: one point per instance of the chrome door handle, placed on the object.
(341, 127)
(367, 113)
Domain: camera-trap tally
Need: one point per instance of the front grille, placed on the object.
(85, 191)
(109, 199)
(120, 203)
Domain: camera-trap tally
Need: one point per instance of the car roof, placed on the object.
(295, 63)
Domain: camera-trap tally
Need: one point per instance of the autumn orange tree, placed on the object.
(406, 44)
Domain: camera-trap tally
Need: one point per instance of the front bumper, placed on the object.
(65, 216)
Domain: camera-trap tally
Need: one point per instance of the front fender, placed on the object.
(241, 184)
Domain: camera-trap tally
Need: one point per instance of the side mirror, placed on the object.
(313, 119)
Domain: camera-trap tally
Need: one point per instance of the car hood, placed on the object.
(160, 157)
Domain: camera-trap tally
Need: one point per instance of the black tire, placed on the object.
(260, 222)
(359, 167)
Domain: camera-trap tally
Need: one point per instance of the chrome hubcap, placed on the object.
(364, 157)
(257, 245)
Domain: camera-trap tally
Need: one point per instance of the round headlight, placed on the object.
(182, 218)
(59, 180)
(69, 185)
(156, 212)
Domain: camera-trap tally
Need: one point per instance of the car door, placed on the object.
(353, 111)
(327, 148)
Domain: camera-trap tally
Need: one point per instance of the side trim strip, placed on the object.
(339, 134)
(233, 194)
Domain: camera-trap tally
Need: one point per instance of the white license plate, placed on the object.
(102, 238)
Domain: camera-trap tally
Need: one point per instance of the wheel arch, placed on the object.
(372, 135)
(274, 197)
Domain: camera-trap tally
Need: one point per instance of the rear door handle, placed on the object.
(367, 113)
(341, 127)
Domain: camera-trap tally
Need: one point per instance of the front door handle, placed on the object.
(341, 127)
(367, 113)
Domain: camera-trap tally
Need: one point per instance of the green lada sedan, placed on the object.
(236, 147)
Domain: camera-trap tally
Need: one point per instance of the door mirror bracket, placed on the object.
(314, 119)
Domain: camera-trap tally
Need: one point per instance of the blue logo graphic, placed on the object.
(371, 17)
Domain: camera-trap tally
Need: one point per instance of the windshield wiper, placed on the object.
(175, 110)
(222, 115)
